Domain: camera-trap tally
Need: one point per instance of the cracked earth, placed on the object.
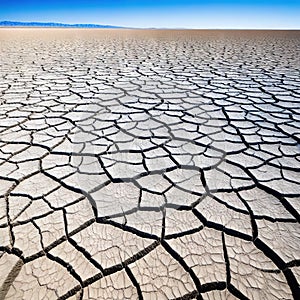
(149, 164)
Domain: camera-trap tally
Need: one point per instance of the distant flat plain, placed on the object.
(149, 164)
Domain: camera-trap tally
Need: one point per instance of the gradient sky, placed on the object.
(262, 14)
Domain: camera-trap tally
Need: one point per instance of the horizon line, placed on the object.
(49, 24)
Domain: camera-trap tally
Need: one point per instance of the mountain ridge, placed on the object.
(53, 24)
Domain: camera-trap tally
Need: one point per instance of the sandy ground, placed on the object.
(149, 164)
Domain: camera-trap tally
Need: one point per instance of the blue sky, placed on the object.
(161, 13)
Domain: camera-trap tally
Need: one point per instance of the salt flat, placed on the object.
(149, 164)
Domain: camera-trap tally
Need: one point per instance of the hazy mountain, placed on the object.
(41, 24)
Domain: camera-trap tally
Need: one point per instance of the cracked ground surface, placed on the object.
(149, 164)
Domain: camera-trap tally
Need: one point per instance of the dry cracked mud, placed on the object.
(149, 164)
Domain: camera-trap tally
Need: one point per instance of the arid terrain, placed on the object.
(149, 164)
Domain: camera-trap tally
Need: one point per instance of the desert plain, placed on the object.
(149, 164)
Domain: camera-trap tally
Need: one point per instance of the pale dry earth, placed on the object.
(149, 164)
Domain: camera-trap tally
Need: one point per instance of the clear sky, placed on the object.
(262, 14)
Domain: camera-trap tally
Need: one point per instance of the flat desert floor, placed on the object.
(149, 164)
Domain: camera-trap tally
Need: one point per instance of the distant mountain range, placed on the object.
(60, 25)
